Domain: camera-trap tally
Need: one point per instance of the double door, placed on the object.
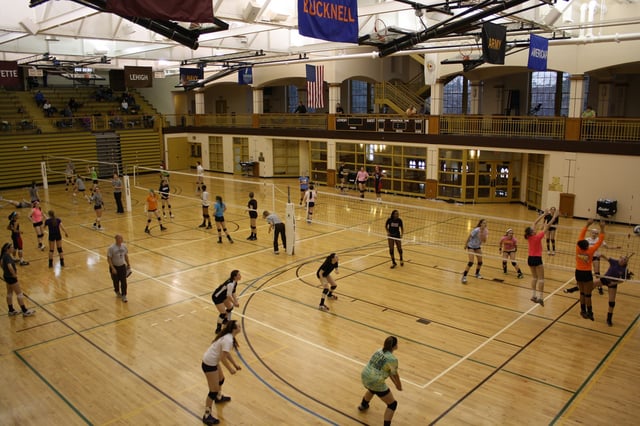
(495, 182)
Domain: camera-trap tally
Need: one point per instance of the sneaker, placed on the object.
(146, 230)
(95, 226)
(222, 399)
(323, 308)
(208, 419)
(209, 227)
(402, 263)
(171, 215)
(610, 323)
(549, 252)
(393, 265)
(117, 293)
(520, 275)
(28, 313)
(363, 407)
(553, 253)
(163, 228)
(534, 299)
(124, 298)
(590, 316)
(505, 272)
(25, 263)
(14, 313)
(478, 276)
(276, 252)
(333, 297)
(201, 225)
(600, 291)
(250, 237)
(464, 279)
(584, 315)
(230, 240)
(541, 301)
(219, 241)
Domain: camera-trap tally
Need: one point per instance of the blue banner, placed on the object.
(538, 50)
(333, 20)
(245, 75)
(190, 75)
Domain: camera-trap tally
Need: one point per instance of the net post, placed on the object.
(127, 192)
(43, 172)
(290, 228)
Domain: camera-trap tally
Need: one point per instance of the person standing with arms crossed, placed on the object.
(395, 229)
(476, 238)
(10, 275)
(116, 182)
(383, 364)
(534, 240)
(118, 258)
(361, 179)
(219, 352)
(252, 209)
(278, 230)
(329, 265)
(584, 266)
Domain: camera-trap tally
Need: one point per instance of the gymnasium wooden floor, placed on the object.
(479, 354)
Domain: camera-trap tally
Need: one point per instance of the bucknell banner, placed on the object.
(538, 50)
(333, 20)
(190, 75)
(136, 77)
(10, 75)
(494, 41)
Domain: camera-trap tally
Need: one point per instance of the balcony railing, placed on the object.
(479, 125)
(610, 129)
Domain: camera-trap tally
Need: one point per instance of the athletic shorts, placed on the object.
(534, 261)
(35, 225)
(253, 215)
(16, 239)
(209, 368)
(609, 283)
(584, 276)
(218, 218)
(312, 204)
(10, 279)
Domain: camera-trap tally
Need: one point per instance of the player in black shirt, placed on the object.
(329, 264)
(395, 230)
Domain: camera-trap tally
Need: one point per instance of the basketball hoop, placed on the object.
(465, 52)
(380, 30)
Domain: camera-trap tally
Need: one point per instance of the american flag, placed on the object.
(315, 86)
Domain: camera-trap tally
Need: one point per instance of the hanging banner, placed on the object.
(494, 43)
(190, 75)
(172, 10)
(10, 75)
(538, 51)
(245, 75)
(333, 20)
(136, 77)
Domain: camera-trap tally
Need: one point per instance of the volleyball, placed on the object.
(25, 147)
(636, 230)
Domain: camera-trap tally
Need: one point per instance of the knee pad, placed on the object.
(333, 287)
(222, 317)
(148, 221)
(581, 294)
(221, 382)
(213, 395)
(553, 240)
(393, 406)
(206, 216)
(229, 310)
(612, 304)
(224, 229)
(470, 264)
(51, 252)
(514, 264)
(325, 291)
(253, 227)
(59, 250)
(479, 264)
(169, 205)
(40, 235)
(588, 296)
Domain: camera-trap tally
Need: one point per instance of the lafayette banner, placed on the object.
(538, 51)
(136, 77)
(172, 10)
(333, 20)
(9, 75)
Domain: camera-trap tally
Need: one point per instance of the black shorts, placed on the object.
(381, 394)
(98, 207)
(253, 215)
(584, 276)
(609, 282)
(209, 368)
(218, 218)
(35, 225)
(534, 261)
(311, 204)
(10, 279)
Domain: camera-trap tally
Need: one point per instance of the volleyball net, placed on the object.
(234, 191)
(57, 168)
(446, 229)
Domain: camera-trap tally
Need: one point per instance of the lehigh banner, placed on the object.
(136, 77)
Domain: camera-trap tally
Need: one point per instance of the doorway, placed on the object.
(494, 181)
(178, 153)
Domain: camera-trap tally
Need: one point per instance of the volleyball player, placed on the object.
(164, 190)
(584, 265)
(382, 364)
(218, 216)
(473, 245)
(199, 177)
(326, 280)
(16, 236)
(616, 274)
(224, 297)
(69, 173)
(534, 260)
(219, 352)
(152, 210)
(98, 204)
(361, 179)
(54, 225)
(304, 186)
(252, 209)
(206, 219)
(395, 229)
(508, 247)
(309, 200)
(551, 218)
(37, 219)
(377, 182)
(10, 275)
